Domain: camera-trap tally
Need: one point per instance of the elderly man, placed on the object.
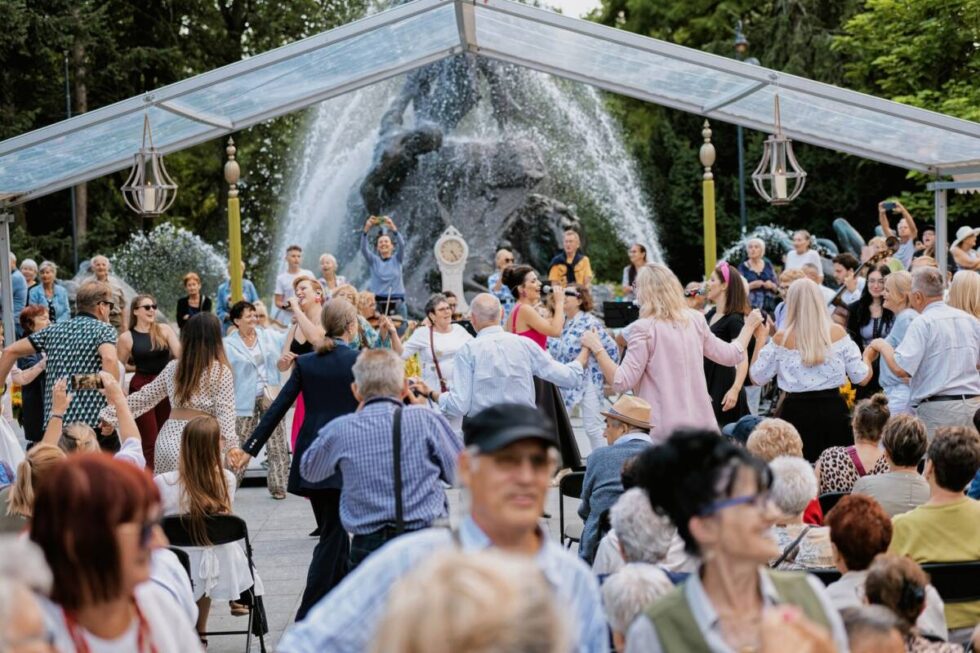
(498, 367)
(415, 444)
(571, 266)
(628, 434)
(101, 268)
(224, 305)
(628, 592)
(946, 528)
(85, 344)
(939, 355)
(507, 468)
(495, 282)
(907, 231)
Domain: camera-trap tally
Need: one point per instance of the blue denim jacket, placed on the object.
(62, 311)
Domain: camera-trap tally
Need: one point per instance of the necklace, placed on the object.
(250, 339)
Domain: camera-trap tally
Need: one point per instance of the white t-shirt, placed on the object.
(258, 357)
(849, 297)
(284, 287)
(794, 260)
(170, 630)
(447, 344)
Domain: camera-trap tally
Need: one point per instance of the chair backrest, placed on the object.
(570, 485)
(956, 582)
(829, 500)
(826, 576)
(221, 529)
(183, 559)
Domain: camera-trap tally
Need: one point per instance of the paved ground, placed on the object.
(280, 538)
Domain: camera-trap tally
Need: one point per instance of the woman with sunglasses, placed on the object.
(717, 495)
(97, 521)
(566, 348)
(727, 290)
(145, 349)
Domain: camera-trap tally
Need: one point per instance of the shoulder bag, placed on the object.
(443, 387)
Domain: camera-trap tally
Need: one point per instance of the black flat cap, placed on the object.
(494, 428)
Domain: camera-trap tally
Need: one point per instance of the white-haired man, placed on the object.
(102, 271)
(938, 355)
(629, 592)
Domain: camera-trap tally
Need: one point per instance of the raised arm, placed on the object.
(563, 375)
(145, 398)
(8, 358)
(312, 331)
(913, 230)
(886, 228)
(399, 242)
(60, 400)
(25, 377)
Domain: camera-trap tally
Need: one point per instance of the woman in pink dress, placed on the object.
(666, 348)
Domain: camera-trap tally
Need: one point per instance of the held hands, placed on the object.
(238, 459)
(591, 341)
(754, 319)
(285, 361)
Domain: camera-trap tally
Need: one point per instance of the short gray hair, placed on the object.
(48, 264)
(870, 621)
(756, 241)
(927, 281)
(485, 308)
(630, 591)
(379, 373)
(794, 485)
(644, 536)
(13, 257)
(22, 569)
(29, 263)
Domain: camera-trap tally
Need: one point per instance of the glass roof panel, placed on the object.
(828, 121)
(335, 65)
(93, 147)
(564, 50)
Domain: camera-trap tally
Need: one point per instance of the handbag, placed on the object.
(443, 387)
(269, 394)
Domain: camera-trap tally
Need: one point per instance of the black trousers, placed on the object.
(364, 545)
(329, 564)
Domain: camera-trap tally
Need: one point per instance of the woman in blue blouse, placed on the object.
(50, 293)
(758, 271)
(566, 348)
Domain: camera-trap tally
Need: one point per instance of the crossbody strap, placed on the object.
(789, 548)
(435, 359)
(396, 434)
(856, 459)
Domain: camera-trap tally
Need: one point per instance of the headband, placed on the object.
(725, 270)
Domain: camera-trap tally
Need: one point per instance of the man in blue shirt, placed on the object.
(19, 286)
(507, 468)
(361, 446)
(224, 297)
(385, 263)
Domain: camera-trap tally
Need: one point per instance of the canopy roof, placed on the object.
(412, 35)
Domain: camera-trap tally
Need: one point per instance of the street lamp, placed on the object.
(741, 49)
(778, 167)
(149, 190)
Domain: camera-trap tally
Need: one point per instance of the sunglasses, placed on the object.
(149, 307)
(572, 293)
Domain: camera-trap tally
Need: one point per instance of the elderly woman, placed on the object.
(638, 258)
(193, 302)
(900, 584)
(898, 289)
(666, 348)
(801, 253)
(566, 348)
(963, 249)
(758, 271)
(718, 497)
(964, 292)
(330, 280)
(628, 592)
(811, 359)
(50, 293)
(28, 268)
(794, 486)
(901, 487)
(252, 354)
(774, 437)
(838, 468)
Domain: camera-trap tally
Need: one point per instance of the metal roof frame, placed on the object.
(468, 15)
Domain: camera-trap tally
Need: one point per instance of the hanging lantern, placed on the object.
(778, 168)
(149, 190)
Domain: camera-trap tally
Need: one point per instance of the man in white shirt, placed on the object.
(939, 355)
(498, 367)
(845, 266)
(284, 283)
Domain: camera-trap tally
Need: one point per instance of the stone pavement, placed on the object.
(279, 531)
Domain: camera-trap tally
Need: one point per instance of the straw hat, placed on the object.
(630, 410)
(963, 233)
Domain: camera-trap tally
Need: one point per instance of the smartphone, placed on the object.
(86, 382)
(888, 206)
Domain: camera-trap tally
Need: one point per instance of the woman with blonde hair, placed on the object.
(811, 359)
(145, 349)
(367, 336)
(964, 292)
(17, 500)
(666, 348)
(484, 602)
(303, 336)
(898, 289)
(198, 383)
(199, 488)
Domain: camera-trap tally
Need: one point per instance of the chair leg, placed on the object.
(251, 616)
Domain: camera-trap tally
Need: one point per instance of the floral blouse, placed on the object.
(567, 347)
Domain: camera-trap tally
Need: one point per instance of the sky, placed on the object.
(576, 8)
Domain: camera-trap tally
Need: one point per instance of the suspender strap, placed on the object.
(396, 434)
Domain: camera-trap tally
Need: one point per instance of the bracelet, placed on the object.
(56, 416)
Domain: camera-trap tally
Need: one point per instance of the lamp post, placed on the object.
(232, 174)
(741, 49)
(707, 157)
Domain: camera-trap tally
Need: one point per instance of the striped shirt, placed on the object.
(498, 367)
(360, 446)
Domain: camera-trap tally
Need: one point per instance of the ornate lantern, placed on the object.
(778, 168)
(149, 190)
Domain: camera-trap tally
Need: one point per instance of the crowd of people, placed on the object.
(707, 525)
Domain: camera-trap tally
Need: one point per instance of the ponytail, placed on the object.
(37, 461)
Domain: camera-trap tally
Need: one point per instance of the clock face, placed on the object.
(451, 250)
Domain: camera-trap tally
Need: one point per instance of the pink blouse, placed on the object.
(664, 365)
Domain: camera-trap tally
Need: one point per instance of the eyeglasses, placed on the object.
(111, 305)
(146, 531)
(760, 501)
(149, 307)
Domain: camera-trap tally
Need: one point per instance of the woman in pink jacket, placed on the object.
(666, 348)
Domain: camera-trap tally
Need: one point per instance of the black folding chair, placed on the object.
(221, 529)
(570, 485)
(956, 582)
(826, 576)
(829, 500)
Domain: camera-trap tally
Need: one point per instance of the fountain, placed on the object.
(504, 154)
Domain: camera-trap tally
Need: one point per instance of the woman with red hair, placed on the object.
(97, 521)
